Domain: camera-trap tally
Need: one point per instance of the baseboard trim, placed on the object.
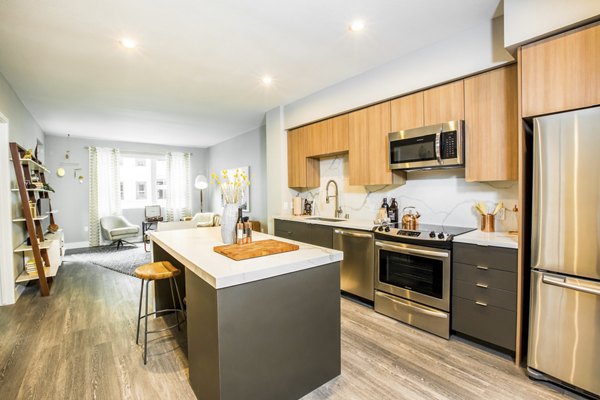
(76, 245)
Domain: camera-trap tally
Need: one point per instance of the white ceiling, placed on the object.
(195, 77)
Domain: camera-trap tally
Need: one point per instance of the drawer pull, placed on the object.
(482, 267)
(481, 303)
(481, 285)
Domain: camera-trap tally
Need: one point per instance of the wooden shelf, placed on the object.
(49, 271)
(43, 217)
(24, 247)
(32, 190)
(34, 165)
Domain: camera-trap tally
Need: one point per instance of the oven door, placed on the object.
(414, 152)
(417, 273)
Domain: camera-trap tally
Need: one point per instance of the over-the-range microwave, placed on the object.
(430, 147)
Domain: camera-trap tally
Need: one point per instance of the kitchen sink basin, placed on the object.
(325, 219)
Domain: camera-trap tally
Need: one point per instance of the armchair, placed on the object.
(117, 229)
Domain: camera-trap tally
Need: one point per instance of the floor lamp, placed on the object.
(201, 183)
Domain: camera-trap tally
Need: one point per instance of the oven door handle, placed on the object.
(414, 307)
(416, 252)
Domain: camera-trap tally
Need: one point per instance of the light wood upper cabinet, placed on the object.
(407, 112)
(328, 137)
(491, 124)
(561, 73)
(444, 103)
(303, 172)
(368, 159)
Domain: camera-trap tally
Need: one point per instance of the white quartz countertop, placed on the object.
(497, 239)
(364, 225)
(194, 249)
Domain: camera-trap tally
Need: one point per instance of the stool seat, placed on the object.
(156, 271)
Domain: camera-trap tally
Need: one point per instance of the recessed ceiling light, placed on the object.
(267, 80)
(357, 25)
(128, 43)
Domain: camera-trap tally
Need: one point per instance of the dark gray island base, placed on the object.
(275, 338)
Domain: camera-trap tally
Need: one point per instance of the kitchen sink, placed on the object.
(325, 219)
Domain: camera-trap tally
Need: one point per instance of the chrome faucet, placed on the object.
(338, 209)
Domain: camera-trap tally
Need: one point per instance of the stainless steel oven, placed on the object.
(412, 285)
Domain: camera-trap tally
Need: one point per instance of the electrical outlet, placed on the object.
(85, 228)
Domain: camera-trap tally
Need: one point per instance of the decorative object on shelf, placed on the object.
(47, 187)
(60, 172)
(308, 207)
(53, 228)
(33, 209)
(201, 183)
(28, 155)
(233, 185)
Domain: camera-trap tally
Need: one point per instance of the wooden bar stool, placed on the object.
(153, 272)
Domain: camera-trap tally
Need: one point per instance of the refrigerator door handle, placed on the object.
(562, 281)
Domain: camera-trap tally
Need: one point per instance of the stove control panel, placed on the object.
(409, 233)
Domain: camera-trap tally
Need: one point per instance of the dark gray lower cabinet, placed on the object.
(318, 235)
(484, 293)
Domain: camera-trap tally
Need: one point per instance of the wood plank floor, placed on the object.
(79, 344)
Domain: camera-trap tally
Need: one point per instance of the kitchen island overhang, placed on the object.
(268, 327)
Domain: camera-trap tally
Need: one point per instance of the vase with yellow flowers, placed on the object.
(232, 184)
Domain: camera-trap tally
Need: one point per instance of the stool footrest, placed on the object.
(162, 311)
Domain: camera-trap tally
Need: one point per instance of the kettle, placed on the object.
(410, 219)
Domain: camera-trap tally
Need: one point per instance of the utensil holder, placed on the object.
(487, 222)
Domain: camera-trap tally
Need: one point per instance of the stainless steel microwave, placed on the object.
(430, 147)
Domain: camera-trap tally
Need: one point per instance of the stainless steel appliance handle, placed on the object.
(408, 250)
(438, 145)
(416, 308)
(562, 281)
(353, 234)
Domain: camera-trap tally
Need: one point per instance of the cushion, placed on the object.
(204, 224)
(127, 230)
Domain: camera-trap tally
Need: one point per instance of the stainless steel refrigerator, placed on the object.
(564, 321)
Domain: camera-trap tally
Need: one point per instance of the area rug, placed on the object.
(125, 260)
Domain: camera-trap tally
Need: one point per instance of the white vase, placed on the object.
(228, 221)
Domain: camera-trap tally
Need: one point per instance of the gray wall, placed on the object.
(72, 198)
(23, 129)
(248, 149)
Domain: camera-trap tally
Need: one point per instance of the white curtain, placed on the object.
(179, 181)
(105, 195)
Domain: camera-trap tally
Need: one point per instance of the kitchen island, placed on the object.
(263, 328)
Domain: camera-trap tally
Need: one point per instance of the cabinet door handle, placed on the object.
(481, 285)
(481, 303)
(482, 267)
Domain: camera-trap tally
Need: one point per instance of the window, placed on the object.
(143, 181)
(140, 191)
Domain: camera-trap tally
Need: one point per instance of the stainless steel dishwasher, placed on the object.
(358, 266)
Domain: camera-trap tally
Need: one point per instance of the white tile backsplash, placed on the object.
(441, 196)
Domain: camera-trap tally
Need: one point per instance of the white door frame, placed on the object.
(7, 279)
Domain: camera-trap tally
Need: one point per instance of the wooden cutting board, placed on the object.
(259, 248)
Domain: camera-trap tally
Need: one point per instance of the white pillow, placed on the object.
(204, 224)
